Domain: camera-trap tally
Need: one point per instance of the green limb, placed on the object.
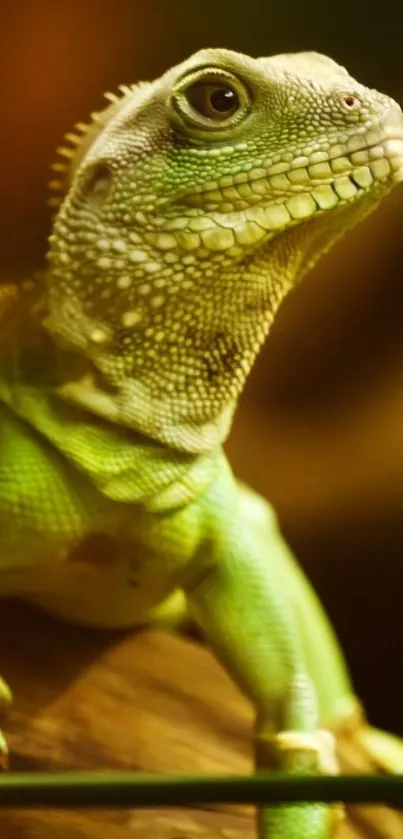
(246, 618)
(300, 748)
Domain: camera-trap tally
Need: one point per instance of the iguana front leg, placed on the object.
(245, 614)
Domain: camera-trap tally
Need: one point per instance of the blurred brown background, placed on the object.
(320, 428)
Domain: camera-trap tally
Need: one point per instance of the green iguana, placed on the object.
(190, 206)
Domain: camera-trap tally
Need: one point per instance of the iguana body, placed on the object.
(192, 205)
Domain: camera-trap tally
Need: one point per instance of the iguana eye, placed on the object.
(213, 100)
(210, 99)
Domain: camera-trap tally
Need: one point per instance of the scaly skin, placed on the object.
(192, 205)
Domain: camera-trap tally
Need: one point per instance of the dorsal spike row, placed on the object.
(78, 141)
(126, 89)
(114, 98)
(96, 116)
(72, 138)
(65, 152)
(58, 166)
(82, 127)
(55, 184)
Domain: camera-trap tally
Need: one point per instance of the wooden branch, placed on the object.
(149, 701)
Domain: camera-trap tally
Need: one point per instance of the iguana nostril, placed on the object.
(351, 101)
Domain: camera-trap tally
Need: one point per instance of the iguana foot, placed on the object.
(5, 702)
(299, 752)
(381, 750)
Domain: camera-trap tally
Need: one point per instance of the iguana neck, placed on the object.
(164, 409)
(176, 372)
(121, 463)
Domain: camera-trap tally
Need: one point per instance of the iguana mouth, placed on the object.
(361, 166)
(393, 146)
(242, 213)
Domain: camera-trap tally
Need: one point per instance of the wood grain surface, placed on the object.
(146, 701)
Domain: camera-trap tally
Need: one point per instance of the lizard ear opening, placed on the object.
(97, 186)
(78, 142)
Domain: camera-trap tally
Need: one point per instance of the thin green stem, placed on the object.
(128, 789)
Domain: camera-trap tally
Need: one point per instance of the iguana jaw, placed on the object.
(238, 216)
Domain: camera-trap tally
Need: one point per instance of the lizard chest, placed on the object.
(105, 581)
(71, 550)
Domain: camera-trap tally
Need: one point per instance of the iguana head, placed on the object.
(193, 204)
